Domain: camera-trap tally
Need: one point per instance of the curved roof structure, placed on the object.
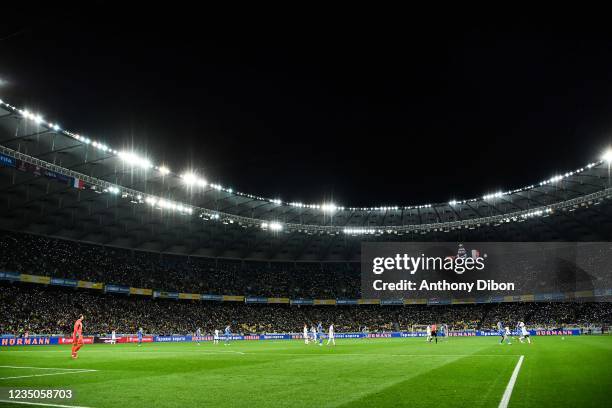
(124, 199)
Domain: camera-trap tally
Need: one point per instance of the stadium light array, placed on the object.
(329, 207)
(359, 231)
(164, 204)
(131, 158)
(137, 197)
(191, 179)
(276, 226)
(272, 226)
(537, 213)
(136, 160)
(494, 195)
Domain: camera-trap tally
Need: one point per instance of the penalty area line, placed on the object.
(42, 404)
(508, 393)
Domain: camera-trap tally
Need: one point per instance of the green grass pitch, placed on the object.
(460, 372)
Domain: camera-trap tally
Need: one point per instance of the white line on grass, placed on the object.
(64, 371)
(263, 353)
(41, 404)
(383, 355)
(508, 393)
(216, 352)
(44, 375)
(47, 368)
(170, 352)
(136, 351)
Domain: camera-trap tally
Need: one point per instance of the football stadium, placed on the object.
(130, 280)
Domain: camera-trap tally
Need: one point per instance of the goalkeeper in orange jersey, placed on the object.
(77, 336)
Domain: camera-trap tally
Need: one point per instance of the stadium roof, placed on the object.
(129, 200)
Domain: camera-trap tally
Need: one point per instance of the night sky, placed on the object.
(397, 113)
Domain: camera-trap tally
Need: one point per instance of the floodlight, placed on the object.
(189, 178)
(329, 207)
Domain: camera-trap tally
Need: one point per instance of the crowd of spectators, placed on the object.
(38, 255)
(52, 310)
(44, 310)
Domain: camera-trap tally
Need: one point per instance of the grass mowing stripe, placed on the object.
(363, 398)
(508, 393)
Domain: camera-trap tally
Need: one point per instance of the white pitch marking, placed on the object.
(44, 375)
(48, 368)
(64, 371)
(508, 393)
(390, 355)
(137, 352)
(217, 352)
(41, 404)
(274, 353)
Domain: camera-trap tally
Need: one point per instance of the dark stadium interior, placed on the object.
(72, 209)
(234, 172)
(374, 206)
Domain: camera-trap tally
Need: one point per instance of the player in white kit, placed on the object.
(198, 336)
(507, 334)
(331, 336)
(216, 338)
(524, 333)
(305, 333)
(313, 330)
(428, 333)
(113, 337)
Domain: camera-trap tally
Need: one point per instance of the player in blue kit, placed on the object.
(500, 331)
(227, 335)
(198, 335)
(139, 337)
(320, 333)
